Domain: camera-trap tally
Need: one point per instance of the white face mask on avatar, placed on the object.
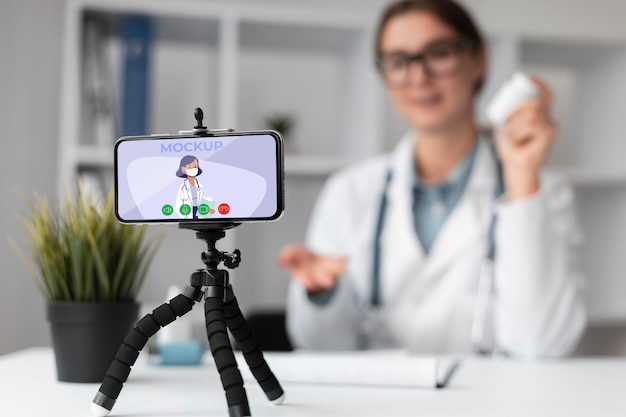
(191, 172)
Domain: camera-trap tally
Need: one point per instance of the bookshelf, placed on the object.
(242, 61)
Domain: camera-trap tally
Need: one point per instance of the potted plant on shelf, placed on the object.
(284, 124)
(90, 268)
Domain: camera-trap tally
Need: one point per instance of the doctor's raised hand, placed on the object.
(523, 143)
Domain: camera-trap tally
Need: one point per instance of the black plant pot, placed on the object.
(86, 336)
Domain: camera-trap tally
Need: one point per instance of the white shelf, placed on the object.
(95, 156)
(102, 157)
(241, 61)
(317, 165)
(586, 178)
(313, 165)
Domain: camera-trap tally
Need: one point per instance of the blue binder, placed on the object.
(137, 43)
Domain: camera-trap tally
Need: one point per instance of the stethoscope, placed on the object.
(371, 311)
(187, 186)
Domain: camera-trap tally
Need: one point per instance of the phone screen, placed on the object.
(233, 176)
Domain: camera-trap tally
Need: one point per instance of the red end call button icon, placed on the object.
(223, 208)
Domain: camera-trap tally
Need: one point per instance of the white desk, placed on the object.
(480, 387)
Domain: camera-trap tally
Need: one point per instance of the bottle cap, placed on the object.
(514, 92)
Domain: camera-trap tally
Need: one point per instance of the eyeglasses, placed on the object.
(440, 59)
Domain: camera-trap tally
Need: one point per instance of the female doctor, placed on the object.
(191, 192)
(468, 247)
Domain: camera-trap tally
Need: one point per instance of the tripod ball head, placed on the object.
(199, 115)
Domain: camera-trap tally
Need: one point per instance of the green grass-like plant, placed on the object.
(283, 123)
(81, 253)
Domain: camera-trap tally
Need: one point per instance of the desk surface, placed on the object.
(481, 387)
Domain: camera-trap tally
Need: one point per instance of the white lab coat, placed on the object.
(428, 302)
(185, 196)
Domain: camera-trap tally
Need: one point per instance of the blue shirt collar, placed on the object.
(457, 178)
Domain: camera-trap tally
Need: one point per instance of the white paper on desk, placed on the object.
(388, 368)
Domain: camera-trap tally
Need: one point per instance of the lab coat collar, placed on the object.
(483, 177)
(463, 228)
(483, 173)
(470, 218)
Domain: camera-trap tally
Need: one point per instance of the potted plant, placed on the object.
(90, 268)
(284, 124)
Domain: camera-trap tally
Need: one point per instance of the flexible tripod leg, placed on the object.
(129, 350)
(247, 341)
(225, 361)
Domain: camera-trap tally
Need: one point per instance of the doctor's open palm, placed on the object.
(315, 272)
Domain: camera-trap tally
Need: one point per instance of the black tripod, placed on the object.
(221, 312)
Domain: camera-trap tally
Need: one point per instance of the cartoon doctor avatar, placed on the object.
(190, 193)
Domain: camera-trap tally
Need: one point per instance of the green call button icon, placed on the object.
(203, 209)
(185, 209)
(167, 210)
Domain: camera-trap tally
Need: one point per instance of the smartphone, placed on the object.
(223, 177)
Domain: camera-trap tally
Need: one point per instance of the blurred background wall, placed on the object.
(31, 68)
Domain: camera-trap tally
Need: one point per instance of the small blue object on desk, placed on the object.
(180, 353)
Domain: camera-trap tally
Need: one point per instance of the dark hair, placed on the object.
(448, 11)
(186, 160)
